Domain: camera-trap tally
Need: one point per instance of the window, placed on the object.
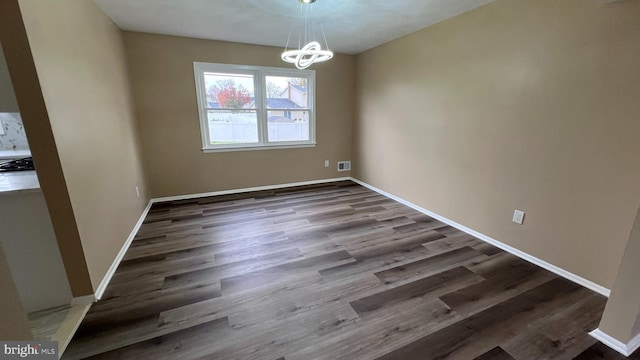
(249, 107)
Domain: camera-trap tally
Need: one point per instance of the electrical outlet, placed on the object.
(518, 217)
(137, 191)
(326, 163)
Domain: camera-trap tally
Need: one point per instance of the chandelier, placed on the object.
(309, 49)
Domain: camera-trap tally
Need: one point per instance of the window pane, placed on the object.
(287, 92)
(290, 125)
(233, 127)
(229, 91)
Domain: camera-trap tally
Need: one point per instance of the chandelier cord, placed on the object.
(326, 44)
(309, 49)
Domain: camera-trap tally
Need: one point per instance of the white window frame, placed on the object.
(260, 73)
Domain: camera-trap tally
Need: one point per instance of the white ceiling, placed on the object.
(351, 26)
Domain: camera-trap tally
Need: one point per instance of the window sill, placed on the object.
(260, 147)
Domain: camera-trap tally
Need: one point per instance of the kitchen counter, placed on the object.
(18, 181)
(14, 154)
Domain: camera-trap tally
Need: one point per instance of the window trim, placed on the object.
(260, 88)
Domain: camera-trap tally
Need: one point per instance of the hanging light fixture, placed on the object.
(311, 52)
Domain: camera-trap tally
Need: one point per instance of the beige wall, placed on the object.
(81, 65)
(164, 87)
(32, 252)
(43, 145)
(520, 104)
(8, 101)
(621, 318)
(14, 324)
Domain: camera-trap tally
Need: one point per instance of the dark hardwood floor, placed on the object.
(332, 271)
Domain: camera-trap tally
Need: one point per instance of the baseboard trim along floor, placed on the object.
(244, 190)
(521, 254)
(327, 271)
(624, 349)
(114, 266)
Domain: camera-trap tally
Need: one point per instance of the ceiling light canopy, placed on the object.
(309, 49)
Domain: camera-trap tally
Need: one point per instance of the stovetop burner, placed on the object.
(18, 165)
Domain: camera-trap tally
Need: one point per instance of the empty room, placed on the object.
(320, 179)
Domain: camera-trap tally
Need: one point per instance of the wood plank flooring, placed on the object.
(331, 271)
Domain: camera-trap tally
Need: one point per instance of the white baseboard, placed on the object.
(82, 300)
(617, 345)
(243, 190)
(521, 254)
(114, 266)
(532, 259)
(634, 344)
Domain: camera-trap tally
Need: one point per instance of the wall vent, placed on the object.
(344, 165)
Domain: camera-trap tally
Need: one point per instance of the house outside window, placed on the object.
(250, 107)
